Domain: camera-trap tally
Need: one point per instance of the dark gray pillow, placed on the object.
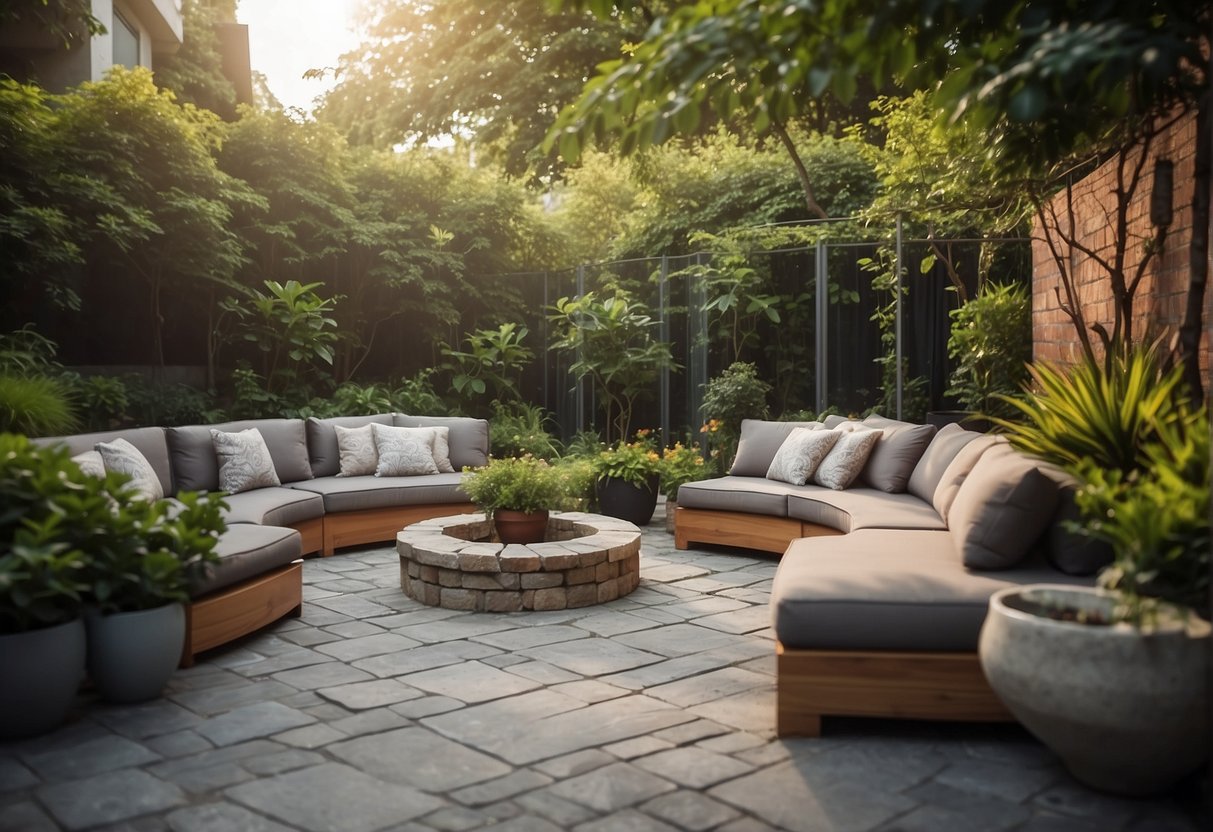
(760, 440)
(895, 455)
(958, 469)
(195, 467)
(1069, 551)
(468, 438)
(322, 440)
(944, 447)
(1001, 509)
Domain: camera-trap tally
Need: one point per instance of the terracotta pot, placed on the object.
(627, 501)
(520, 526)
(1126, 709)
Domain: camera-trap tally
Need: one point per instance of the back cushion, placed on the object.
(468, 439)
(1001, 509)
(895, 455)
(956, 472)
(149, 441)
(1068, 551)
(760, 440)
(947, 443)
(322, 440)
(834, 420)
(195, 467)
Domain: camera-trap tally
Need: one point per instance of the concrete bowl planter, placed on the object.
(131, 655)
(40, 671)
(1126, 709)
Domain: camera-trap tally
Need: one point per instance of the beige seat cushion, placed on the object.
(862, 508)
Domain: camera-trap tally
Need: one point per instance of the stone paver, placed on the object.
(650, 712)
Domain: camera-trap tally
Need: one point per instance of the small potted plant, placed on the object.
(626, 478)
(679, 464)
(516, 493)
(42, 641)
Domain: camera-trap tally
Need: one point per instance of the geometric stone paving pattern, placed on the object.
(651, 712)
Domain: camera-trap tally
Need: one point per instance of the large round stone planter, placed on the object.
(131, 655)
(1127, 710)
(40, 671)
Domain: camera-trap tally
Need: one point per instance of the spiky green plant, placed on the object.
(35, 406)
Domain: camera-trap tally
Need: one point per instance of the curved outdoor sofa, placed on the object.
(259, 576)
(882, 588)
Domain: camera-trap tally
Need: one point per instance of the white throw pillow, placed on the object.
(244, 461)
(847, 458)
(442, 449)
(124, 458)
(91, 464)
(356, 450)
(404, 452)
(800, 454)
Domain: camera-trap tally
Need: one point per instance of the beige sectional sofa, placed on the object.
(882, 588)
(259, 576)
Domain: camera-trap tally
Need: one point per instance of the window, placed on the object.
(126, 42)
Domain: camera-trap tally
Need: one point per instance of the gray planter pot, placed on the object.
(1127, 710)
(40, 671)
(131, 655)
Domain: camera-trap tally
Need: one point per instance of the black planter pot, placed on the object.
(965, 418)
(627, 501)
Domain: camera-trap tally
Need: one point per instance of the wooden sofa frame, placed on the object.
(811, 684)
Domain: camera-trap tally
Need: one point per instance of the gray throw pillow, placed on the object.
(960, 466)
(846, 459)
(1001, 509)
(244, 461)
(91, 464)
(947, 443)
(1069, 551)
(124, 458)
(759, 442)
(356, 451)
(800, 454)
(895, 455)
(404, 452)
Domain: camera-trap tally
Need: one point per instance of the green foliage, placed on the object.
(515, 483)
(71, 22)
(195, 71)
(1092, 413)
(737, 393)
(35, 406)
(165, 403)
(913, 388)
(520, 429)
(102, 400)
(991, 343)
(494, 359)
(612, 345)
(633, 462)
(681, 465)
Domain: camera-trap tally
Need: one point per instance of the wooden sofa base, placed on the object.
(312, 532)
(238, 610)
(811, 684)
(737, 528)
(353, 528)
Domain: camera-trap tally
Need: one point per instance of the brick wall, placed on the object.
(1160, 300)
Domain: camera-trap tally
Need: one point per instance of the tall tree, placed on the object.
(496, 71)
(195, 72)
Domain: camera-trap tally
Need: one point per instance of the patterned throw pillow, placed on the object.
(442, 449)
(244, 461)
(846, 459)
(125, 458)
(800, 454)
(356, 451)
(404, 452)
(91, 464)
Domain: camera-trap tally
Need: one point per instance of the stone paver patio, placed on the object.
(651, 712)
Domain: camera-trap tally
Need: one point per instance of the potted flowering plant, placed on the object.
(679, 464)
(517, 494)
(626, 478)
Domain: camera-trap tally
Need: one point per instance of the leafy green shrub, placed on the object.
(680, 465)
(991, 343)
(160, 403)
(416, 395)
(737, 393)
(634, 462)
(494, 358)
(102, 400)
(35, 405)
(515, 483)
(519, 429)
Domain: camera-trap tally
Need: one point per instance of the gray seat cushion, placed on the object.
(322, 440)
(246, 551)
(752, 495)
(151, 443)
(468, 438)
(193, 453)
(863, 508)
(273, 506)
(359, 493)
(885, 589)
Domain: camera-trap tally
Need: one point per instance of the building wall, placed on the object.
(1161, 298)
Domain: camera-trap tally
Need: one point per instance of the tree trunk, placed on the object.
(1192, 329)
(802, 172)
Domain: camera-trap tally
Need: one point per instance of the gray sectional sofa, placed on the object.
(259, 576)
(882, 588)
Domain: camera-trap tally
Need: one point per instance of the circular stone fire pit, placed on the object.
(453, 562)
